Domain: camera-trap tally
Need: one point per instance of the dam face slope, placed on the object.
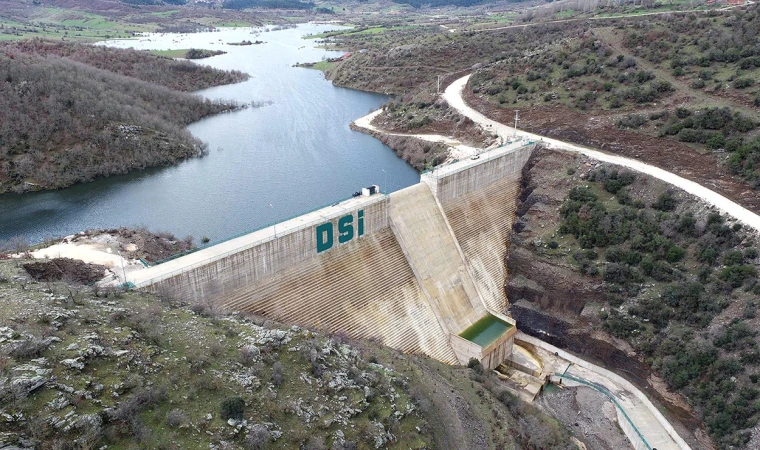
(429, 246)
(366, 290)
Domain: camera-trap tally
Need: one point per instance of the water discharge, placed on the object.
(290, 155)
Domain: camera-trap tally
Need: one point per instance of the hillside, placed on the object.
(621, 268)
(83, 368)
(71, 113)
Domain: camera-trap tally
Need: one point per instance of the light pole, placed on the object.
(385, 181)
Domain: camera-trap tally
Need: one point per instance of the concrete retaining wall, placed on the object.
(478, 198)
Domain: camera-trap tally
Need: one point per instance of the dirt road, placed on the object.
(453, 96)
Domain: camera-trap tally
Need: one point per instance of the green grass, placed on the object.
(178, 53)
(56, 23)
(324, 66)
(234, 24)
(566, 14)
(164, 13)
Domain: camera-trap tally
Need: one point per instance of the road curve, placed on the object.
(453, 95)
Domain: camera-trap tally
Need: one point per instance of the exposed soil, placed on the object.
(589, 414)
(445, 121)
(67, 269)
(599, 131)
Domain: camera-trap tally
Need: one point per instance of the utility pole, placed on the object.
(438, 88)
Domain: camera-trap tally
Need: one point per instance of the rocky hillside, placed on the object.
(85, 367)
(647, 280)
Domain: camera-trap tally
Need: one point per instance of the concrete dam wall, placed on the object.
(412, 269)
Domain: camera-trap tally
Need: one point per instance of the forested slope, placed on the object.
(178, 75)
(63, 121)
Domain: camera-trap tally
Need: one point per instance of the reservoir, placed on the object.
(292, 153)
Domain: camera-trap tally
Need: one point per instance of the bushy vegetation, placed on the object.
(199, 53)
(583, 74)
(707, 52)
(669, 270)
(745, 158)
(65, 122)
(710, 126)
(439, 3)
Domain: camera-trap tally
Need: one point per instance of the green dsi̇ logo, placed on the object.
(345, 231)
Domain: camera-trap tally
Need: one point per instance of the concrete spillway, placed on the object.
(432, 252)
(412, 269)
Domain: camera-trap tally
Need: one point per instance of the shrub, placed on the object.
(232, 408)
(277, 377)
(28, 349)
(735, 336)
(735, 276)
(510, 401)
(126, 413)
(631, 121)
(475, 365)
(665, 202)
(258, 438)
(733, 258)
(675, 254)
(176, 418)
(742, 83)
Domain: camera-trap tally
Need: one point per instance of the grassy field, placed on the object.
(83, 27)
(178, 53)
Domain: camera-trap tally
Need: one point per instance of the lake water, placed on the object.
(265, 164)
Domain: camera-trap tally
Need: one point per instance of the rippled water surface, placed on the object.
(291, 155)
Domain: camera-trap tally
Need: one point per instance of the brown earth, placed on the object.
(598, 131)
(418, 153)
(66, 269)
(447, 124)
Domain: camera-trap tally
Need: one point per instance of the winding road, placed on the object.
(453, 95)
